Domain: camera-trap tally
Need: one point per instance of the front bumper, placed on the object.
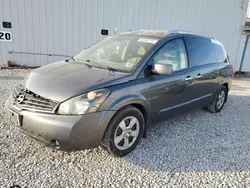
(73, 132)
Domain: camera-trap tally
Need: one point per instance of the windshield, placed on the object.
(119, 53)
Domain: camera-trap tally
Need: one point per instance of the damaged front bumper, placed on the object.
(64, 132)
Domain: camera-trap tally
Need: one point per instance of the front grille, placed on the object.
(25, 99)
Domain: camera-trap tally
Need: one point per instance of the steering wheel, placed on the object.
(115, 58)
(134, 59)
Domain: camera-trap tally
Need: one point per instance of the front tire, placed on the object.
(219, 101)
(124, 132)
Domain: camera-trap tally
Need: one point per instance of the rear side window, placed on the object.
(220, 51)
(200, 51)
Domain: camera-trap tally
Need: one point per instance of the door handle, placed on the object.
(189, 78)
(198, 76)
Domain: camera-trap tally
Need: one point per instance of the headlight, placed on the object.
(86, 103)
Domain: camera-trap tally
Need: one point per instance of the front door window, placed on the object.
(174, 53)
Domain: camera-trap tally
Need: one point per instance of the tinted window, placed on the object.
(200, 51)
(220, 52)
(174, 53)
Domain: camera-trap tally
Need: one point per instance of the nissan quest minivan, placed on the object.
(109, 94)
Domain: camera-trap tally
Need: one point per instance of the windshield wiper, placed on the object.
(100, 65)
(72, 58)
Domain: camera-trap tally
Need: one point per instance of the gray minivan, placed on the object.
(109, 94)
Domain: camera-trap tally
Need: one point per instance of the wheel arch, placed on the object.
(136, 101)
(225, 84)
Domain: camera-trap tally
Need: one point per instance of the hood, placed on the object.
(61, 81)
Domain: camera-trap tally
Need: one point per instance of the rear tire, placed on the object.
(124, 132)
(219, 101)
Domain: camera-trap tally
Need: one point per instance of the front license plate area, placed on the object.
(15, 118)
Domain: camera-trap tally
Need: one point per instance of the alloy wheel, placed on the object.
(221, 99)
(126, 133)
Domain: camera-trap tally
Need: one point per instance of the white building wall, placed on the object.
(248, 10)
(65, 27)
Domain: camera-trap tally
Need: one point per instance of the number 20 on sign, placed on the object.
(5, 36)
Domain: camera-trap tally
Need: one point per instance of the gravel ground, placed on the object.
(197, 149)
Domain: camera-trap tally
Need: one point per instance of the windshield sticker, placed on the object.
(129, 65)
(152, 41)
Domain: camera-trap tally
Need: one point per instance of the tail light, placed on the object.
(232, 68)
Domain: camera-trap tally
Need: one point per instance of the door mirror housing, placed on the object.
(162, 68)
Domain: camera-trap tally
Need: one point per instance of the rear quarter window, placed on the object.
(200, 51)
(220, 51)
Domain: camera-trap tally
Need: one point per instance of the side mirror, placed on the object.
(162, 68)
